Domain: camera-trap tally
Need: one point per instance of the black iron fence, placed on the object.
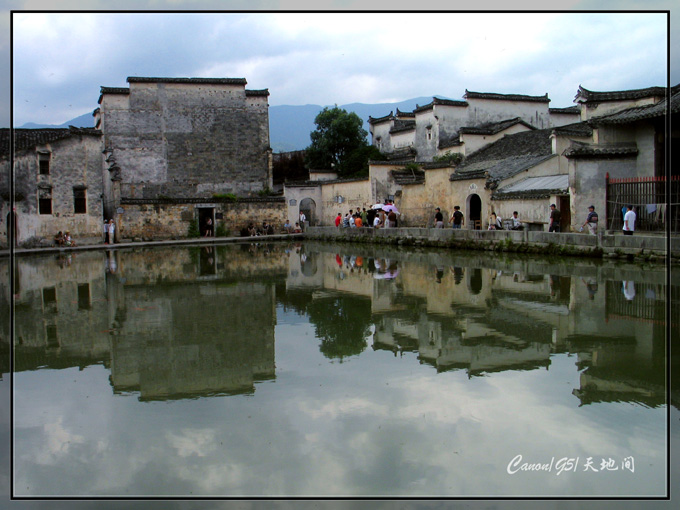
(654, 199)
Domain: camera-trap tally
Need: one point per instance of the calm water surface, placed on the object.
(337, 370)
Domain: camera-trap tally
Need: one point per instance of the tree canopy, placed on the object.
(339, 143)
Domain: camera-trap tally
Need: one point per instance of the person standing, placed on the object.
(364, 216)
(629, 221)
(112, 231)
(338, 220)
(591, 221)
(438, 218)
(554, 219)
(516, 222)
(457, 217)
(303, 219)
(208, 228)
(106, 231)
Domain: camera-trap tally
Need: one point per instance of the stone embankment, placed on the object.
(651, 248)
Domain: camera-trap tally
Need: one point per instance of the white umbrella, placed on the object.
(378, 206)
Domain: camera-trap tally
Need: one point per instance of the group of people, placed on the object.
(64, 239)
(379, 216)
(109, 231)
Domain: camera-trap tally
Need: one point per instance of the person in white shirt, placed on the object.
(112, 232)
(629, 221)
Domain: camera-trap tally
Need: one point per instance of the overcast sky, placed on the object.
(61, 59)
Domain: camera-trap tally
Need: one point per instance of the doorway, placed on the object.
(565, 214)
(474, 210)
(206, 221)
(308, 207)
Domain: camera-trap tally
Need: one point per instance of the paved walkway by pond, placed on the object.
(91, 244)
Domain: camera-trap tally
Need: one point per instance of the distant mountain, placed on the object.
(85, 120)
(289, 126)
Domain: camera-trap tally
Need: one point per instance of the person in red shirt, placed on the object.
(338, 220)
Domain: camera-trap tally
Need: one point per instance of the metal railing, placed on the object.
(655, 201)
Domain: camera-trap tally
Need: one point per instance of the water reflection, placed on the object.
(179, 325)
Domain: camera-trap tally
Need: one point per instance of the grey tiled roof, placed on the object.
(569, 109)
(639, 113)
(25, 139)
(215, 81)
(494, 127)
(404, 114)
(453, 141)
(601, 151)
(462, 176)
(377, 120)
(260, 92)
(508, 156)
(506, 97)
(408, 176)
(114, 90)
(436, 101)
(590, 96)
(390, 161)
(403, 125)
(534, 187)
(576, 129)
(308, 184)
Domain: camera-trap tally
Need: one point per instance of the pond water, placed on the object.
(337, 370)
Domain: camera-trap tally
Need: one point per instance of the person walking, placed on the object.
(438, 218)
(457, 217)
(554, 219)
(112, 231)
(629, 221)
(591, 221)
(106, 231)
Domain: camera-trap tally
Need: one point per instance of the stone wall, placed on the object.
(188, 139)
(74, 163)
(169, 219)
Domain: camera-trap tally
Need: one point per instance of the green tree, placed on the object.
(338, 142)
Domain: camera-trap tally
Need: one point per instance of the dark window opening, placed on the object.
(45, 206)
(44, 164)
(84, 296)
(52, 338)
(49, 295)
(79, 201)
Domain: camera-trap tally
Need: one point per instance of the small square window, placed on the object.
(79, 201)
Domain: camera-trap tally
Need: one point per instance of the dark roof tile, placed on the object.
(601, 151)
(25, 139)
(260, 92)
(639, 113)
(506, 97)
(494, 127)
(408, 176)
(589, 96)
(212, 81)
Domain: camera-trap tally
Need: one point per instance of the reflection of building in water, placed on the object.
(60, 311)
(170, 324)
(626, 360)
(484, 315)
(186, 340)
